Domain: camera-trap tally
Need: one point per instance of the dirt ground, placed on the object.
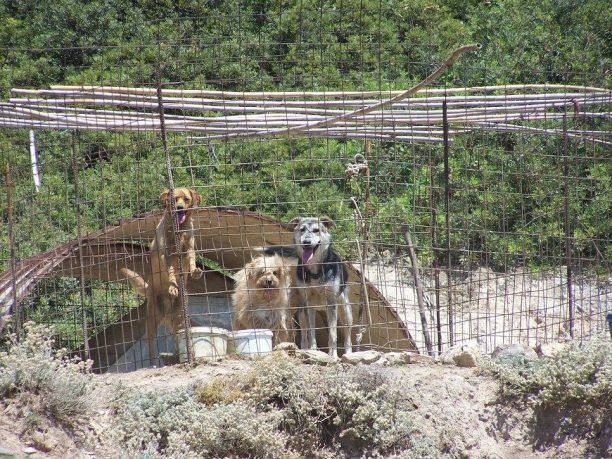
(497, 308)
(458, 405)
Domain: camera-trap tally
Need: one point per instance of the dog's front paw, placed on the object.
(197, 273)
(173, 290)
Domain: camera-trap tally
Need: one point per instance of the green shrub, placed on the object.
(334, 408)
(280, 409)
(581, 374)
(39, 380)
(176, 424)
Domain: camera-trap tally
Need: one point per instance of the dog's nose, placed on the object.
(269, 283)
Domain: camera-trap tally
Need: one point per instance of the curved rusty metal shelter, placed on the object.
(223, 235)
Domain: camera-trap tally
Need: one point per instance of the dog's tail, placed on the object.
(282, 250)
(135, 280)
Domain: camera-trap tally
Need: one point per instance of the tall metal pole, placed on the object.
(568, 227)
(435, 249)
(182, 282)
(449, 292)
(12, 252)
(77, 209)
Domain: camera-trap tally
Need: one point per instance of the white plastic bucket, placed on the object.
(208, 342)
(252, 342)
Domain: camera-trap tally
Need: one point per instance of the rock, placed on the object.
(397, 358)
(381, 362)
(513, 352)
(549, 349)
(43, 442)
(287, 347)
(6, 453)
(315, 356)
(463, 355)
(422, 359)
(29, 450)
(361, 357)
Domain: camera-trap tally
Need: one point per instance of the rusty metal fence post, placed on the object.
(449, 292)
(182, 282)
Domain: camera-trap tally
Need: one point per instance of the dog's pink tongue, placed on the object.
(181, 216)
(307, 254)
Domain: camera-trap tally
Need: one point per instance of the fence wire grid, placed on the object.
(477, 209)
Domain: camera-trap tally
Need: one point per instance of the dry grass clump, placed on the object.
(570, 393)
(175, 424)
(39, 382)
(281, 409)
(581, 374)
(338, 409)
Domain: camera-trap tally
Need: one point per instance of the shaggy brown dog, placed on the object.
(263, 297)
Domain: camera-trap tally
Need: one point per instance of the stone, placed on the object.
(397, 358)
(463, 355)
(549, 349)
(288, 347)
(356, 358)
(6, 453)
(513, 352)
(315, 356)
(381, 362)
(43, 442)
(29, 450)
(422, 359)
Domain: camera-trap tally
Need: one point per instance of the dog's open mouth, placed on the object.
(308, 252)
(181, 216)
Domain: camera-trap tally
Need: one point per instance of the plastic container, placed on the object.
(208, 343)
(253, 342)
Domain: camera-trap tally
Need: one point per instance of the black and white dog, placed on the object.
(321, 279)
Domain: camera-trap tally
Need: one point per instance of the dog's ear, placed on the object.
(163, 197)
(327, 222)
(197, 197)
(295, 222)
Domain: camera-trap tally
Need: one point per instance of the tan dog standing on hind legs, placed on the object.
(160, 284)
(166, 258)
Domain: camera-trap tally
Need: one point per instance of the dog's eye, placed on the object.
(315, 230)
(275, 273)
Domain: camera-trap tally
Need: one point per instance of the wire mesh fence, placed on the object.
(460, 211)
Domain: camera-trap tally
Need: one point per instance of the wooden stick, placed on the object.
(419, 289)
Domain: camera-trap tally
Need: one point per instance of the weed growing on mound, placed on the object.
(176, 424)
(37, 381)
(352, 410)
(570, 393)
(281, 409)
(581, 374)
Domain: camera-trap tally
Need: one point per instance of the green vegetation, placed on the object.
(40, 384)
(580, 374)
(570, 393)
(281, 409)
(506, 189)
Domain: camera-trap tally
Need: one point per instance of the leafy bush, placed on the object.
(334, 408)
(176, 424)
(280, 409)
(581, 374)
(40, 381)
